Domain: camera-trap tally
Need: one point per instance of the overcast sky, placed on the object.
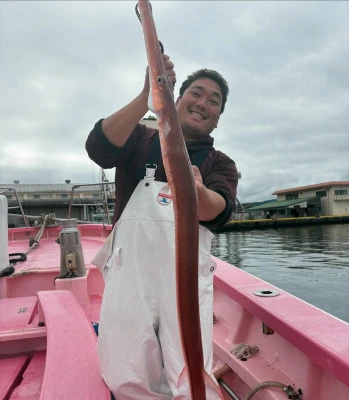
(65, 65)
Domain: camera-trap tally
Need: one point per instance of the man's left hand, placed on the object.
(211, 204)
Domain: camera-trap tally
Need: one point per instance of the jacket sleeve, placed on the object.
(223, 179)
(106, 154)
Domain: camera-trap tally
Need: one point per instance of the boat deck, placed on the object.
(42, 266)
(299, 345)
(47, 255)
(40, 341)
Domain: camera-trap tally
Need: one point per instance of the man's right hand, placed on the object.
(119, 126)
(169, 67)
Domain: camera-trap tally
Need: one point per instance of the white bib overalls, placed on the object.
(139, 342)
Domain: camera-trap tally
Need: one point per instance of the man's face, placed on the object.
(199, 108)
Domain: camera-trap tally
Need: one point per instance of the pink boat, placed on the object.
(268, 345)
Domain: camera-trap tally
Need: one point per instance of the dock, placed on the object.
(235, 225)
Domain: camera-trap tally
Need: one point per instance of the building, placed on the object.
(82, 201)
(322, 199)
(150, 122)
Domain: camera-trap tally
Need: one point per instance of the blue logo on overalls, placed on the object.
(164, 199)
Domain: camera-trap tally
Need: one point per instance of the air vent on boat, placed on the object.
(266, 293)
(72, 258)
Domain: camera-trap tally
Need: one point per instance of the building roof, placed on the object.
(150, 122)
(272, 205)
(51, 188)
(316, 186)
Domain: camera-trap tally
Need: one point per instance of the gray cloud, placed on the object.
(66, 64)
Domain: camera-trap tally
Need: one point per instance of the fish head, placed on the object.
(161, 87)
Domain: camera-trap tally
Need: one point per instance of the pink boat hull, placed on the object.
(299, 345)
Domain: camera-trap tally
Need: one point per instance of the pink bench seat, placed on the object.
(10, 373)
(72, 366)
(30, 386)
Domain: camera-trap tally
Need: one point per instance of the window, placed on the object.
(292, 196)
(9, 197)
(322, 193)
(96, 196)
(341, 192)
(64, 196)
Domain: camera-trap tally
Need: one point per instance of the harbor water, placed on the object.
(310, 262)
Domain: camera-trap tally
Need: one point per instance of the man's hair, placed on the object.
(211, 74)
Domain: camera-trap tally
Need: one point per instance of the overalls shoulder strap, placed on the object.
(155, 154)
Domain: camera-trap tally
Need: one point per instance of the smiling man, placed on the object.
(139, 342)
(199, 105)
(202, 99)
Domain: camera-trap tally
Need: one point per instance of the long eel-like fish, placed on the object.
(181, 182)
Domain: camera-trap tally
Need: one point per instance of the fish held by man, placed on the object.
(181, 182)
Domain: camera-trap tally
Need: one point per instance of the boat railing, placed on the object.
(4, 189)
(104, 197)
(104, 203)
(51, 218)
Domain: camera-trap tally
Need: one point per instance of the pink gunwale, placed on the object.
(318, 335)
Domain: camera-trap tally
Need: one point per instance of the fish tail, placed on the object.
(213, 392)
(212, 388)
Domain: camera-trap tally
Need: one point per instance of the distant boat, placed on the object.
(268, 344)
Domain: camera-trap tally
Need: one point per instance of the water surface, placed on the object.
(311, 263)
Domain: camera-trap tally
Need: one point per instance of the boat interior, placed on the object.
(267, 344)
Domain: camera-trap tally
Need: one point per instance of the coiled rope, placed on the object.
(20, 257)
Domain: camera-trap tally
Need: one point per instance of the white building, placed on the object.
(150, 122)
(66, 200)
(334, 196)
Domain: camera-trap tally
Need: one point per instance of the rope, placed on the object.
(220, 372)
(35, 242)
(21, 257)
(68, 275)
(7, 271)
(244, 351)
(288, 390)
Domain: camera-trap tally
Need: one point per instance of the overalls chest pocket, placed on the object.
(114, 261)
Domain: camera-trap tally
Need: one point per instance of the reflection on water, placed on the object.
(311, 263)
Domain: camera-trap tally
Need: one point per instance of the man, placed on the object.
(139, 344)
